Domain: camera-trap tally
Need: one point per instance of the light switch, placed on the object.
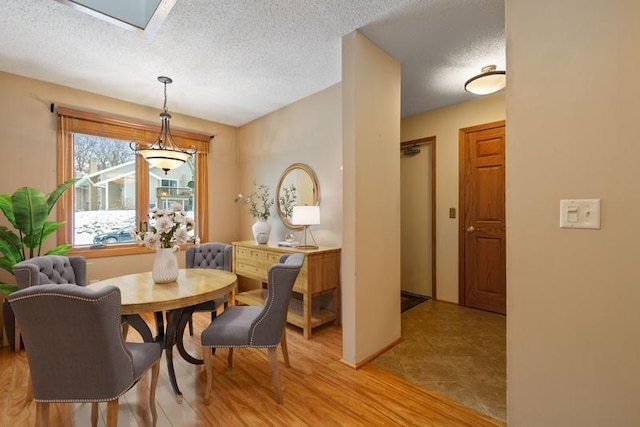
(580, 213)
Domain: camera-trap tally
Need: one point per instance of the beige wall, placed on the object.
(28, 140)
(444, 124)
(573, 105)
(371, 212)
(307, 131)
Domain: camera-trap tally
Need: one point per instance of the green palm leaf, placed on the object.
(7, 208)
(31, 210)
(7, 289)
(7, 264)
(10, 242)
(35, 240)
(53, 197)
(59, 250)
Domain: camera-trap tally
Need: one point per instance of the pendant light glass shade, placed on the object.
(163, 153)
(488, 81)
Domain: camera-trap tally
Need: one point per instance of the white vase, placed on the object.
(165, 266)
(261, 231)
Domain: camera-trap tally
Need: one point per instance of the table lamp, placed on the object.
(306, 216)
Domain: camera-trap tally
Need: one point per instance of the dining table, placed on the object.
(175, 300)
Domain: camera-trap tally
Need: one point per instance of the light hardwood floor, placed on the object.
(318, 390)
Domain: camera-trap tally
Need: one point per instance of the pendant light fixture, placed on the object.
(163, 153)
(488, 81)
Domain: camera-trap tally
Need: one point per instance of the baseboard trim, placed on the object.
(368, 359)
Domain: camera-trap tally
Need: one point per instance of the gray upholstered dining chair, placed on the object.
(208, 255)
(76, 351)
(51, 269)
(256, 326)
(45, 269)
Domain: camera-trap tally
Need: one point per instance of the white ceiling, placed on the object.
(233, 61)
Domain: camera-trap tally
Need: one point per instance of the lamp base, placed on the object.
(307, 247)
(303, 240)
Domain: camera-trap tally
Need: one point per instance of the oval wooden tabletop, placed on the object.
(194, 285)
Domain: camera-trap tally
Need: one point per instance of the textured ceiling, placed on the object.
(234, 61)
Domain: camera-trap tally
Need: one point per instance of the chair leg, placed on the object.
(42, 414)
(275, 379)
(214, 314)
(112, 413)
(206, 357)
(155, 371)
(94, 414)
(17, 337)
(283, 344)
(125, 330)
(29, 396)
(190, 325)
(230, 357)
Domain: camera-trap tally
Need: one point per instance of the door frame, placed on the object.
(430, 140)
(462, 164)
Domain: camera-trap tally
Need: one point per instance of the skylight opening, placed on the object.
(136, 15)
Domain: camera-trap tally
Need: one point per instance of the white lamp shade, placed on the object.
(305, 215)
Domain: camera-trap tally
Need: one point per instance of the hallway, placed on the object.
(457, 351)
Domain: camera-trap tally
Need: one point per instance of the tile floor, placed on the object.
(457, 351)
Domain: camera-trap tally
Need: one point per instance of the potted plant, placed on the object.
(260, 204)
(27, 210)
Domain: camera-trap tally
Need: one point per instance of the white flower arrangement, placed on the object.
(168, 228)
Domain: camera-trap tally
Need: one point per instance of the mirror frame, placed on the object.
(316, 190)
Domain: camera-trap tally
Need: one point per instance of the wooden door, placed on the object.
(482, 233)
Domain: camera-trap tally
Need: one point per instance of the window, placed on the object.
(115, 188)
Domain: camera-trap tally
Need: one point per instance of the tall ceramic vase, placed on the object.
(261, 231)
(165, 266)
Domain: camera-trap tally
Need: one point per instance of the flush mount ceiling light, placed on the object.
(488, 81)
(163, 153)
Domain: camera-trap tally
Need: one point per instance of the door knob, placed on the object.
(471, 229)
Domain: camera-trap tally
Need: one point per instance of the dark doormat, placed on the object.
(408, 300)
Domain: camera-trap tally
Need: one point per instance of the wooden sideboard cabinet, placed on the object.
(319, 276)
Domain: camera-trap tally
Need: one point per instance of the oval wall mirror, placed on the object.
(298, 185)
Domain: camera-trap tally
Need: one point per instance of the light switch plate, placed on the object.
(580, 213)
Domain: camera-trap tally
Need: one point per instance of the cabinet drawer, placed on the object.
(258, 255)
(273, 258)
(249, 253)
(249, 268)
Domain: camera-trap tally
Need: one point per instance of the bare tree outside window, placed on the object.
(107, 153)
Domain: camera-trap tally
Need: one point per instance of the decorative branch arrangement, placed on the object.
(259, 202)
(288, 198)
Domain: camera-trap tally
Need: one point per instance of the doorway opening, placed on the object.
(418, 220)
